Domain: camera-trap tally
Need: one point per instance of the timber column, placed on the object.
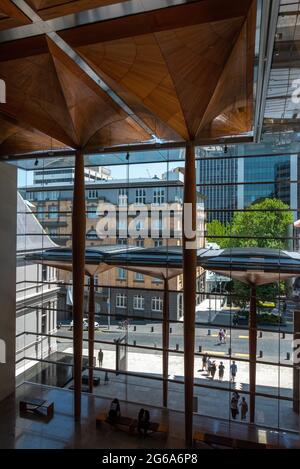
(165, 342)
(91, 331)
(252, 351)
(78, 260)
(189, 285)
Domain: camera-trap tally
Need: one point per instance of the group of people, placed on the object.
(143, 420)
(236, 403)
(211, 367)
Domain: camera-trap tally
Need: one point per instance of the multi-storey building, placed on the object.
(38, 293)
(216, 178)
(125, 293)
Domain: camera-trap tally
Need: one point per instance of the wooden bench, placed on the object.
(121, 421)
(131, 423)
(154, 427)
(228, 442)
(38, 407)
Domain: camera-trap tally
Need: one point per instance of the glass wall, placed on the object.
(246, 199)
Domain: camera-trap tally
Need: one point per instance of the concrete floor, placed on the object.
(63, 432)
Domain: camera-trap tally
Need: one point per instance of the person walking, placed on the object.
(221, 369)
(224, 334)
(244, 409)
(100, 358)
(234, 407)
(213, 369)
(233, 371)
(209, 364)
(220, 336)
(204, 362)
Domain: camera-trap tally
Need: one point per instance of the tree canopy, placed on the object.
(264, 224)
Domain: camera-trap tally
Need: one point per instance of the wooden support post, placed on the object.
(165, 342)
(78, 260)
(91, 331)
(252, 351)
(189, 285)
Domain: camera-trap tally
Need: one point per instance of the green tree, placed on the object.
(264, 224)
(216, 233)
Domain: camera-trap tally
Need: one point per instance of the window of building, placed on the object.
(158, 243)
(92, 234)
(53, 232)
(157, 304)
(159, 196)
(53, 211)
(92, 194)
(138, 277)
(138, 302)
(140, 242)
(44, 273)
(40, 212)
(180, 305)
(122, 241)
(121, 300)
(52, 195)
(121, 274)
(140, 196)
(123, 196)
(44, 323)
(92, 211)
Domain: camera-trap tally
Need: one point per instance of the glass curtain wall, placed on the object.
(238, 193)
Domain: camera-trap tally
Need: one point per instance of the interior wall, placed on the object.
(8, 219)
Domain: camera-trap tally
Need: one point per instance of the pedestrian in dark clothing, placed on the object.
(115, 411)
(143, 421)
(221, 369)
(100, 358)
(233, 371)
(244, 409)
(234, 407)
(213, 370)
(204, 362)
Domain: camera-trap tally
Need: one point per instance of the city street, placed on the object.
(271, 344)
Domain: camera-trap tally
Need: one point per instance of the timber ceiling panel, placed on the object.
(187, 75)
(11, 16)
(48, 9)
(16, 138)
(180, 68)
(230, 109)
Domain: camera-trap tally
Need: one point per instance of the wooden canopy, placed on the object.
(175, 73)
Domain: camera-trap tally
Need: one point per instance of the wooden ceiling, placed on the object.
(11, 16)
(186, 72)
(48, 9)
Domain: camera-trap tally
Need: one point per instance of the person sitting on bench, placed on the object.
(143, 421)
(114, 412)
